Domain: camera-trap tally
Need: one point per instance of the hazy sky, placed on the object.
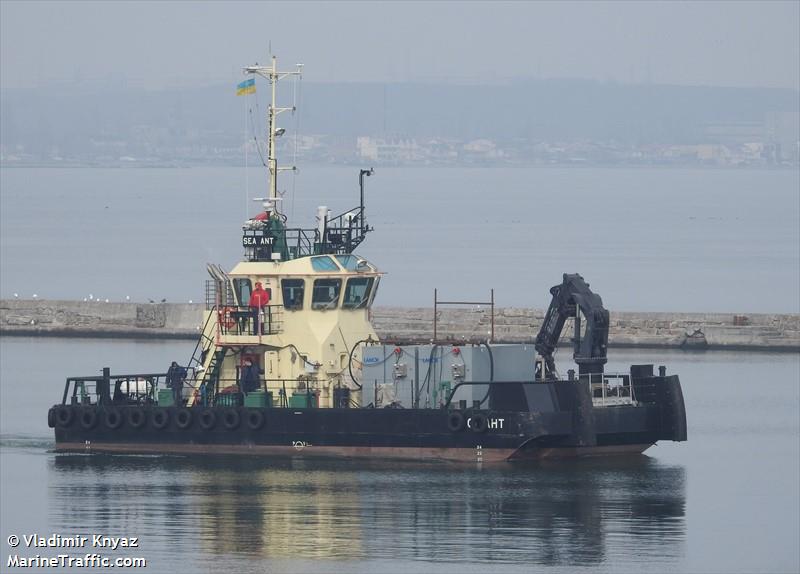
(160, 43)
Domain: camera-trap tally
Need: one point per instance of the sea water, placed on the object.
(725, 501)
(652, 239)
(700, 240)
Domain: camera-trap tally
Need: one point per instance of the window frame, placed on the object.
(237, 290)
(319, 266)
(330, 304)
(365, 301)
(302, 287)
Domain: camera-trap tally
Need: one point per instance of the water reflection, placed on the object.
(569, 513)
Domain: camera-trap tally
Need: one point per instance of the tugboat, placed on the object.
(288, 363)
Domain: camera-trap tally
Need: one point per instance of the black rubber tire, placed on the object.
(478, 423)
(136, 418)
(183, 419)
(51, 417)
(455, 421)
(231, 419)
(160, 419)
(113, 418)
(255, 420)
(208, 420)
(64, 416)
(88, 419)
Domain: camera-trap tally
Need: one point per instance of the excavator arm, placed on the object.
(573, 298)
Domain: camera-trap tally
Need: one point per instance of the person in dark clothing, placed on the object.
(250, 377)
(175, 376)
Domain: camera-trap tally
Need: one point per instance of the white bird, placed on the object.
(190, 301)
(16, 295)
(85, 299)
(127, 297)
(106, 300)
(91, 297)
(35, 296)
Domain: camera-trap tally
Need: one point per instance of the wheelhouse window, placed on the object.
(243, 288)
(326, 293)
(349, 262)
(357, 292)
(323, 263)
(293, 290)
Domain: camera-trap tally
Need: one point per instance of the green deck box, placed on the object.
(166, 398)
(303, 400)
(258, 399)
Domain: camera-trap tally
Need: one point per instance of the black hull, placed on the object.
(567, 426)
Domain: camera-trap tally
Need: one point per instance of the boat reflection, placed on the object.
(578, 512)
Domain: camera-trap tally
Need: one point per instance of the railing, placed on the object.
(607, 389)
(218, 293)
(437, 302)
(230, 392)
(610, 389)
(457, 386)
(134, 389)
(239, 320)
(291, 243)
(346, 231)
(343, 233)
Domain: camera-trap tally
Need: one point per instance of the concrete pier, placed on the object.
(770, 332)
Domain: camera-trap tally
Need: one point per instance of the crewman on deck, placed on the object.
(250, 376)
(175, 376)
(259, 299)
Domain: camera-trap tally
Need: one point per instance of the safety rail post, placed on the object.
(66, 392)
(437, 302)
(104, 396)
(491, 337)
(435, 310)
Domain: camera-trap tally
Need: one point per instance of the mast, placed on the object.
(272, 74)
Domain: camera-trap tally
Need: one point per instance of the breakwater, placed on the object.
(776, 332)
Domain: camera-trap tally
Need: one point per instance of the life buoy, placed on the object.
(184, 418)
(208, 419)
(231, 419)
(136, 418)
(64, 416)
(478, 423)
(160, 418)
(51, 417)
(226, 317)
(255, 420)
(455, 421)
(113, 418)
(88, 419)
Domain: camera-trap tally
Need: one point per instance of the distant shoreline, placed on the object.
(410, 165)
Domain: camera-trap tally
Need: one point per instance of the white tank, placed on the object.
(322, 215)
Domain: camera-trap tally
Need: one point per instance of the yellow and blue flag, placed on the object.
(246, 87)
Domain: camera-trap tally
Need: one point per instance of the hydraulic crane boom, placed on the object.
(573, 298)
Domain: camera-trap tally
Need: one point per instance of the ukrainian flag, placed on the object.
(246, 87)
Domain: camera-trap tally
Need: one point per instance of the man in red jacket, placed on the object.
(259, 299)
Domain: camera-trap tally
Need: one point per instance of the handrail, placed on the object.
(100, 381)
(202, 338)
(243, 320)
(467, 383)
(627, 384)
